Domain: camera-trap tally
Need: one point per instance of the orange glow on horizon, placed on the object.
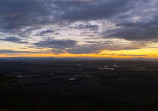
(144, 53)
(77, 55)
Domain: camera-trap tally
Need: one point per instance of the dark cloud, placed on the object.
(16, 52)
(135, 31)
(59, 44)
(100, 9)
(45, 32)
(138, 24)
(14, 40)
(18, 13)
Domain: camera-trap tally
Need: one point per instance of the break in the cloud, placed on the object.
(125, 55)
(65, 25)
(86, 27)
(108, 45)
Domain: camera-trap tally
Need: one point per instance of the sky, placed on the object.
(79, 28)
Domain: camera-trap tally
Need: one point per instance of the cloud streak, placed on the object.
(14, 40)
(16, 52)
(59, 44)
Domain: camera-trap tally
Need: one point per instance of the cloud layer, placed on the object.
(70, 25)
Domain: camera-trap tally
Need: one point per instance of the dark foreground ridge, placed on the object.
(86, 85)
